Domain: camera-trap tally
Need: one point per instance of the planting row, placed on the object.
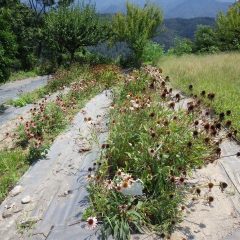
(140, 183)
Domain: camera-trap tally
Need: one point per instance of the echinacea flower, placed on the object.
(109, 184)
(91, 223)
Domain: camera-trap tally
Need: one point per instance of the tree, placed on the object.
(136, 28)
(205, 39)
(72, 28)
(228, 28)
(22, 22)
(8, 49)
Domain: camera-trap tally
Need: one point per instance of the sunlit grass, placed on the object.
(22, 75)
(217, 73)
(12, 165)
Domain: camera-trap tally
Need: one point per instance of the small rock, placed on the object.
(26, 200)
(6, 214)
(8, 206)
(18, 189)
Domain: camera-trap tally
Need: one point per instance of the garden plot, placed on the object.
(54, 189)
(13, 116)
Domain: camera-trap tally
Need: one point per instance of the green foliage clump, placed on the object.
(225, 36)
(70, 29)
(182, 46)
(12, 165)
(136, 28)
(152, 52)
(228, 28)
(8, 48)
(205, 40)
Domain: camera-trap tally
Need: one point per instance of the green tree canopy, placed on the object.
(8, 49)
(228, 28)
(72, 28)
(137, 27)
(205, 39)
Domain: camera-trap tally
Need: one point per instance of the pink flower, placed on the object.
(91, 223)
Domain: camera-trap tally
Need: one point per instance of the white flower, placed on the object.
(91, 223)
(109, 184)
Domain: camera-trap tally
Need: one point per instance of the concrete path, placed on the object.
(13, 89)
(56, 185)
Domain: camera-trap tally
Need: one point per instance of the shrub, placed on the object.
(152, 52)
(182, 46)
(136, 28)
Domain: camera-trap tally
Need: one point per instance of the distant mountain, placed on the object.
(180, 28)
(172, 8)
(197, 8)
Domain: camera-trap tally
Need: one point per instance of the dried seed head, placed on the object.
(228, 112)
(198, 191)
(203, 93)
(210, 199)
(189, 144)
(172, 105)
(228, 123)
(195, 133)
(221, 116)
(196, 122)
(210, 185)
(152, 114)
(223, 186)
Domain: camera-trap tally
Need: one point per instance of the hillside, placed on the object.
(178, 27)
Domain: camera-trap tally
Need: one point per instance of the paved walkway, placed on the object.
(12, 90)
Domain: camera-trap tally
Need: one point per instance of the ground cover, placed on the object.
(156, 146)
(208, 74)
(33, 137)
(22, 75)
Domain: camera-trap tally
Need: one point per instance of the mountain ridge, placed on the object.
(173, 8)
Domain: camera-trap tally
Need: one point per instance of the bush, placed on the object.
(182, 46)
(152, 52)
(136, 28)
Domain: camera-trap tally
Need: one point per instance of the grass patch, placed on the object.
(22, 75)
(12, 165)
(148, 143)
(217, 74)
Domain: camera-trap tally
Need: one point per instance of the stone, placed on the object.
(7, 214)
(18, 189)
(136, 189)
(26, 200)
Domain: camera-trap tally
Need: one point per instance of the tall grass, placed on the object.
(217, 73)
